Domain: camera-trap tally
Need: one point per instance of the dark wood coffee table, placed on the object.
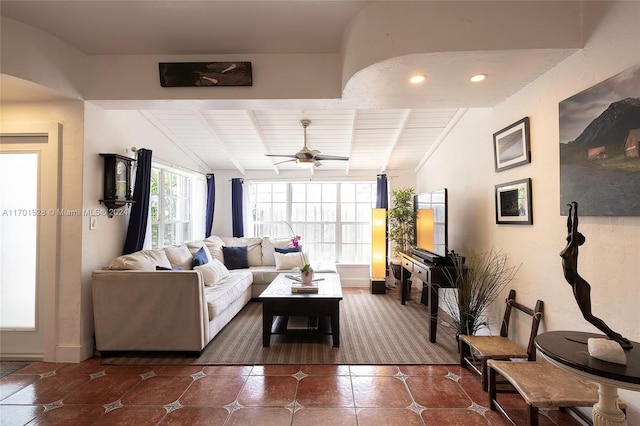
(279, 304)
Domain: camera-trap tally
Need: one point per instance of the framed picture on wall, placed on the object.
(511, 146)
(513, 203)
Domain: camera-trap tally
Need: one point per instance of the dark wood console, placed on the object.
(433, 277)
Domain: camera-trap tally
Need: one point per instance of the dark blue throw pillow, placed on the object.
(235, 257)
(199, 258)
(164, 268)
(288, 249)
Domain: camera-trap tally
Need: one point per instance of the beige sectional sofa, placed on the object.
(140, 308)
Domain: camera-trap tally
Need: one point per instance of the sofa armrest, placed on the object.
(149, 310)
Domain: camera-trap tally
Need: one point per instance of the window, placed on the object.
(333, 218)
(170, 207)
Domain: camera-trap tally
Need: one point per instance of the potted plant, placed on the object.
(306, 274)
(401, 218)
(476, 286)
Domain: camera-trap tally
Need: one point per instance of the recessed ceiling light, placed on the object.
(478, 77)
(416, 79)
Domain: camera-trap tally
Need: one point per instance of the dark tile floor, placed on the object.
(90, 393)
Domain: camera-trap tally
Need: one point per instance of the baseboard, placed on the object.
(22, 357)
(74, 353)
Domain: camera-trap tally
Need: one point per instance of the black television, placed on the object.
(430, 231)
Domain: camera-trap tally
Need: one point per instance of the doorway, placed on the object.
(28, 242)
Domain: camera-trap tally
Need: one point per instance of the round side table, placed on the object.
(568, 350)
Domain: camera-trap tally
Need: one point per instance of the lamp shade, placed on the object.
(378, 244)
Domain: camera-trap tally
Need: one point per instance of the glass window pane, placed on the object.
(169, 234)
(298, 192)
(347, 212)
(314, 192)
(298, 212)
(154, 236)
(347, 192)
(329, 193)
(363, 212)
(329, 212)
(18, 247)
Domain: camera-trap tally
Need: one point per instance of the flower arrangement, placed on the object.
(295, 239)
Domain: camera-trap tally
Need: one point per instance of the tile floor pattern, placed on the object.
(90, 393)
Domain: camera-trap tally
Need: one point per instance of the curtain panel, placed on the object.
(140, 208)
(236, 207)
(211, 204)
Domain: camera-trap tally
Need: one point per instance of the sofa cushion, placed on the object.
(254, 248)
(141, 260)
(164, 268)
(287, 261)
(268, 247)
(179, 256)
(235, 257)
(214, 244)
(213, 272)
(200, 257)
(220, 296)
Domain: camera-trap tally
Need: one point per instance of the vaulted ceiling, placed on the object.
(381, 121)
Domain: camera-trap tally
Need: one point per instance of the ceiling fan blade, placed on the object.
(278, 155)
(285, 161)
(331, 157)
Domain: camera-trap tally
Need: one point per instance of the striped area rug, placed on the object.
(375, 329)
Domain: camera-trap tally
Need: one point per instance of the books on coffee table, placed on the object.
(300, 288)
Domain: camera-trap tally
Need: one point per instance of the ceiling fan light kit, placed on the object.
(307, 158)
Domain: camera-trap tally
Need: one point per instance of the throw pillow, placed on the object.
(214, 244)
(235, 257)
(222, 273)
(179, 255)
(200, 258)
(288, 249)
(146, 260)
(254, 248)
(288, 261)
(208, 272)
(268, 244)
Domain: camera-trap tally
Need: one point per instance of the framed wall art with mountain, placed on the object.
(599, 142)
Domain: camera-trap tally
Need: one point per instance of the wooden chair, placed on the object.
(476, 350)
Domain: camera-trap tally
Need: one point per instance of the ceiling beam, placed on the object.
(169, 135)
(219, 140)
(396, 139)
(441, 137)
(351, 139)
(258, 130)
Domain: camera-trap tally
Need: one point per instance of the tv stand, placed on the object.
(433, 277)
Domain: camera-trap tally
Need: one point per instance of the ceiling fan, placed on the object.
(306, 157)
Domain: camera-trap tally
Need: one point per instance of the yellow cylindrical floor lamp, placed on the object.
(378, 251)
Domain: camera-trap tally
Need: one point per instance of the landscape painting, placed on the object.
(599, 141)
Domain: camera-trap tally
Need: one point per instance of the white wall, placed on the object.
(464, 164)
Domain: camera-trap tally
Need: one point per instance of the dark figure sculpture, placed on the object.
(581, 288)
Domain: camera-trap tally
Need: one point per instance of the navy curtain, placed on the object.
(236, 207)
(140, 208)
(211, 203)
(382, 194)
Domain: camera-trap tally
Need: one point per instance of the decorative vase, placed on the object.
(307, 277)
